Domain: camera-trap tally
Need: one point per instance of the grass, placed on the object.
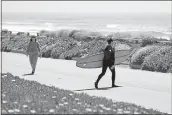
(25, 97)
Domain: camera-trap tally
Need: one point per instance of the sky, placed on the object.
(87, 6)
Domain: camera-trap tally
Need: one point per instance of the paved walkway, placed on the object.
(148, 89)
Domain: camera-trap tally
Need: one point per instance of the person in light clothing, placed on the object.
(33, 51)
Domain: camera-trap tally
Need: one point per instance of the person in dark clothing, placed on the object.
(108, 61)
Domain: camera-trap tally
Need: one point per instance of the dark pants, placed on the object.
(104, 68)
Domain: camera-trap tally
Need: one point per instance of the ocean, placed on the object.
(100, 22)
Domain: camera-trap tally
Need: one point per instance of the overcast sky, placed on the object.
(86, 6)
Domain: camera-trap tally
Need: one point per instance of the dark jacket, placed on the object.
(112, 57)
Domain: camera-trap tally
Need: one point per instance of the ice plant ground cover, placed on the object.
(24, 97)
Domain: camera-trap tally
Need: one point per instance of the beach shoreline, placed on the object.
(128, 33)
(154, 24)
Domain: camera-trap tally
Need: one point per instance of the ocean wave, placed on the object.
(155, 31)
(49, 24)
(112, 25)
(17, 23)
(67, 27)
(137, 28)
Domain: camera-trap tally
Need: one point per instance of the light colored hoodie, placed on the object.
(33, 51)
(33, 47)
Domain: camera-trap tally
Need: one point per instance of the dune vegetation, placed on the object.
(160, 60)
(21, 96)
(153, 58)
(62, 44)
(74, 44)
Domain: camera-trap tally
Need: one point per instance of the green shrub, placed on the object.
(96, 47)
(99, 46)
(80, 35)
(56, 52)
(159, 61)
(63, 45)
(94, 35)
(72, 33)
(83, 35)
(138, 57)
(74, 52)
(120, 35)
(43, 41)
(148, 41)
(5, 49)
(165, 43)
(64, 33)
(51, 34)
(120, 39)
(120, 46)
(83, 47)
(10, 45)
(46, 51)
(4, 45)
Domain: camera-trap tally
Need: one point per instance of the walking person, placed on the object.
(33, 51)
(108, 61)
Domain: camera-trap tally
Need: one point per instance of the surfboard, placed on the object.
(96, 60)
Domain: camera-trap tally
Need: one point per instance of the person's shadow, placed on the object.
(28, 74)
(103, 88)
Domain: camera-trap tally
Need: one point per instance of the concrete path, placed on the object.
(148, 89)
